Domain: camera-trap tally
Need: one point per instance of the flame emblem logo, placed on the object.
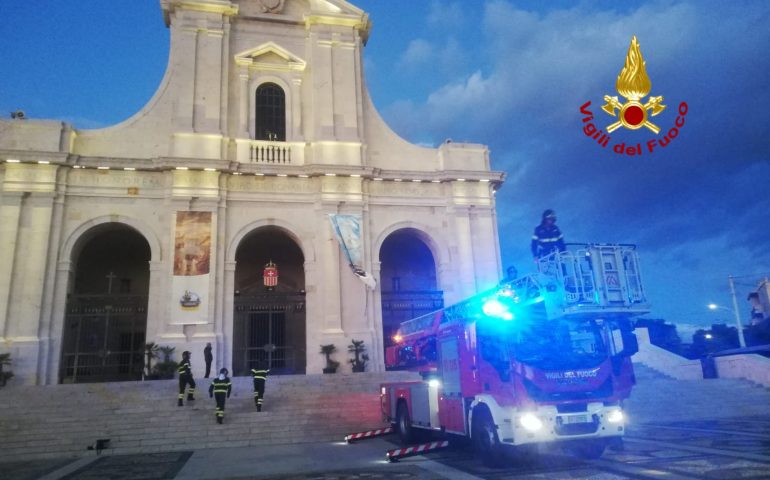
(634, 84)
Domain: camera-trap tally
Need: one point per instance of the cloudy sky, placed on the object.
(511, 75)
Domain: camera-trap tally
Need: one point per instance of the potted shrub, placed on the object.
(360, 358)
(5, 359)
(331, 365)
(167, 368)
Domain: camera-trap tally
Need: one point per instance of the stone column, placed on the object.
(224, 330)
(243, 104)
(27, 283)
(10, 212)
(65, 280)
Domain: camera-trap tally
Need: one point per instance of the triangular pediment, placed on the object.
(270, 56)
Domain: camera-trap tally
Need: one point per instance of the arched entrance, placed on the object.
(269, 321)
(407, 279)
(106, 313)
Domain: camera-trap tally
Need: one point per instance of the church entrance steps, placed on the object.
(138, 417)
(643, 372)
(61, 420)
(661, 399)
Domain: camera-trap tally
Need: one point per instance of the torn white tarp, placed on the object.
(347, 229)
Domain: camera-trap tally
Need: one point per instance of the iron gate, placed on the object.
(399, 306)
(269, 331)
(103, 338)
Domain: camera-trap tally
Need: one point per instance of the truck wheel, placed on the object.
(404, 424)
(589, 449)
(486, 443)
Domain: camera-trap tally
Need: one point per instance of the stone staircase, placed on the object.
(138, 417)
(142, 417)
(657, 398)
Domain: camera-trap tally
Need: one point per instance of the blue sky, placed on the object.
(511, 75)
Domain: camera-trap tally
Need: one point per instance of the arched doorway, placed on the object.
(106, 313)
(269, 321)
(407, 279)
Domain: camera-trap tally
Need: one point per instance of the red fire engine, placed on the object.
(541, 358)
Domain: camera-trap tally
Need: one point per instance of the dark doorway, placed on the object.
(408, 280)
(106, 315)
(269, 321)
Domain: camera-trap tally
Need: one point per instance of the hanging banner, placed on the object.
(347, 229)
(192, 256)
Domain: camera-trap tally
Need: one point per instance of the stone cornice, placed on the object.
(222, 7)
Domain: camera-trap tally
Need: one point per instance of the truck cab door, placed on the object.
(451, 408)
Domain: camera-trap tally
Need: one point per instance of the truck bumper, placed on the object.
(546, 424)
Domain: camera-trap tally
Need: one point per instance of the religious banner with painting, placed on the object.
(192, 255)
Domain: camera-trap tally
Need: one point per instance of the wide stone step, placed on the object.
(660, 399)
(61, 420)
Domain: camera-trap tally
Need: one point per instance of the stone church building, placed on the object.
(210, 216)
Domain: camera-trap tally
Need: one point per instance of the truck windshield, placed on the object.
(559, 345)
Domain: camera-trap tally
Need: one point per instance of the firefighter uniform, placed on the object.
(547, 237)
(185, 378)
(260, 375)
(220, 389)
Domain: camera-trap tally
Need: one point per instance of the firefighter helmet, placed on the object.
(549, 214)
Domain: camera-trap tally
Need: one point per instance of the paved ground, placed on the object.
(721, 449)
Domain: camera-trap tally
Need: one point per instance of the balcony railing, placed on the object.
(267, 152)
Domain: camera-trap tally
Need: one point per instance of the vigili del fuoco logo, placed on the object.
(633, 84)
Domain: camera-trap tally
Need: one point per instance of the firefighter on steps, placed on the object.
(260, 375)
(185, 378)
(220, 389)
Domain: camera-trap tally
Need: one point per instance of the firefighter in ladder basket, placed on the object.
(220, 389)
(547, 237)
(185, 378)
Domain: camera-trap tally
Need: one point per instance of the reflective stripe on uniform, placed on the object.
(554, 239)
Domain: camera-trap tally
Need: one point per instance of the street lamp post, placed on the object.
(741, 340)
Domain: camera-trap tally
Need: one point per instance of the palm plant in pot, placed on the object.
(360, 358)
(5, 359)
(331, 365)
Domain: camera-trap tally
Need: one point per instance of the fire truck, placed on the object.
(541, 358)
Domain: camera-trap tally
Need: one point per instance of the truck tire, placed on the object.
(404, 424)
(588, 449)
(486, 443)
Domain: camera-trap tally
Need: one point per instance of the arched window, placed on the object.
(270, 118)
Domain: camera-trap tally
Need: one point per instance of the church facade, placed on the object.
(258, 202)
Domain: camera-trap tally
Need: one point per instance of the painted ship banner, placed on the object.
(347, 229)
(192, 265)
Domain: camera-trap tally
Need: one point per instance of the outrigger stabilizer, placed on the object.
(368, 434)
(398, 453)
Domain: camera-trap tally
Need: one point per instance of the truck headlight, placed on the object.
(615, 416)
(434, 383)
(530, 422)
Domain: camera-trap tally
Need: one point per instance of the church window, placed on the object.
(270, 115)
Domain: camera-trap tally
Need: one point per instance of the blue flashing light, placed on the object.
(494, 308)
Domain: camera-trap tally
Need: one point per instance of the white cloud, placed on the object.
(418, 53)
(446, 15)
